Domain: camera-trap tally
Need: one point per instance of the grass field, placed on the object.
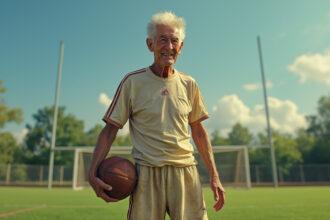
(290, 203)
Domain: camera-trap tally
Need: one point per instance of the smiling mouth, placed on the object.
(167, 55)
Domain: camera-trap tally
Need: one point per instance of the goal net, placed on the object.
(232, 163)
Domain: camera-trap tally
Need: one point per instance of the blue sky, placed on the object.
(106, 39)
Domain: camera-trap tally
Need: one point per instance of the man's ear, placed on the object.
(150, 44)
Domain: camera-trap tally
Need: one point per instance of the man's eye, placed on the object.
(175, 41)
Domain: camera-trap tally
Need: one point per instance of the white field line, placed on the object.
(15, 212)
(326, 205)
(228, 206)
(55, 206)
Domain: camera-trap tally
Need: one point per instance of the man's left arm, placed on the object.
(204, 148)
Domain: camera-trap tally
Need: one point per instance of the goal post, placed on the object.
(82, 161)
(232, 163)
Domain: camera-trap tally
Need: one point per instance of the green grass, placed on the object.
(289, 203)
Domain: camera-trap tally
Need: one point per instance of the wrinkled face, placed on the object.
(166, 46)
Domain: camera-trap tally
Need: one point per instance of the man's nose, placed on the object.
(169, 44)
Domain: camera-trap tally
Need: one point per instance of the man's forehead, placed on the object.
(166, 30)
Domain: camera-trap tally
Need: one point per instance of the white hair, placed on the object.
(166, 18)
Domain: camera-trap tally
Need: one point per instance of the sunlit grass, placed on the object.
(258, 203)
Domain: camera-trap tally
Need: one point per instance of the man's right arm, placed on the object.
(103, 145)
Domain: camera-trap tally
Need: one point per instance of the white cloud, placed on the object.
(312, 67)
(256, 86)
(227, 112)
(251, 86)
(19, 136)
(230, 109)
(104, 99)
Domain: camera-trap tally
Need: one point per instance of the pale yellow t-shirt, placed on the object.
(159, 112)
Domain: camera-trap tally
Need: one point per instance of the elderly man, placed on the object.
(161, 103)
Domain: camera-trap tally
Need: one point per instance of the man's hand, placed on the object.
(104, 142)
(100, 187)
(218, 192)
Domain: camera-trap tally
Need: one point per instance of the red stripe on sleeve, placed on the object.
(118, 91)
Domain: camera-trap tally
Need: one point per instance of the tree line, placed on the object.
(309, 145)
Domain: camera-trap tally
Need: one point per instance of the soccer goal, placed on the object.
(232, 163)
(82, 161)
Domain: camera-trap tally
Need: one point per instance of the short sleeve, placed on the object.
(118, 111)
(199, 111)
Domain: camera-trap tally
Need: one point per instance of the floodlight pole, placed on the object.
(57, 95)
(269, 131)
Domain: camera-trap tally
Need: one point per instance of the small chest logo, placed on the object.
(164, 91)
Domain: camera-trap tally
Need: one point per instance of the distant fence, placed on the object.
(33, 175)
(37, 175)
(310, 174)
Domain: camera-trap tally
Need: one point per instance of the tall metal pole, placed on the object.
(57, 95)
(269, 131)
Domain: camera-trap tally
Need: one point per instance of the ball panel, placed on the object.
(121, 174)
(118, 191)
(122, 168)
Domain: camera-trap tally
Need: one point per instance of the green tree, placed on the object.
(286, 151)
(319, 127)
(260, 156)
(70, 132)
(92, 134)
(122, 140)
(217, 139)
(8, 114)
(239, 135)
(8, 144)
(305, 143)
(91, 137)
